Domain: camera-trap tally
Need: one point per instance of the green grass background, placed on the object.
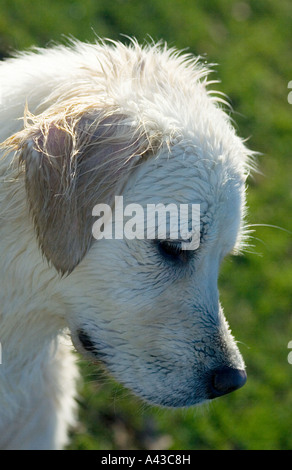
(252, 43)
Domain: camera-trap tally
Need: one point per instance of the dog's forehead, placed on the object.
(185, 174)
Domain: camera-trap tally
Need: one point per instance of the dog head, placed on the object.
(146, 308)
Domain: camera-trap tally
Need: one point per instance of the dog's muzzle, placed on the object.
(217, 382)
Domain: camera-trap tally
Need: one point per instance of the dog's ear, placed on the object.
(70, 165)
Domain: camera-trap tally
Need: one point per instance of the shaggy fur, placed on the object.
(79, 125)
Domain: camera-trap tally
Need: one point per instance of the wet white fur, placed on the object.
(160, 328)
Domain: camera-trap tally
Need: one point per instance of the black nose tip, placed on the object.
(226, 380)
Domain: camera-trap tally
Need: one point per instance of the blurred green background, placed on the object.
(252, 43)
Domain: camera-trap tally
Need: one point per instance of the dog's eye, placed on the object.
(172, 250)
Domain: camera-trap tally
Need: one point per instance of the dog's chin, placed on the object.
(173, 400)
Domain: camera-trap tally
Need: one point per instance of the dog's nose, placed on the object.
(226, 380)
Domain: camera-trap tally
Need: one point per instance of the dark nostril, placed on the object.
(226, 380)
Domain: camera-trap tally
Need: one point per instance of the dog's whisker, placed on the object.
(271, 226)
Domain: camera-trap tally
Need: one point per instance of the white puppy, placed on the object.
(81, 125)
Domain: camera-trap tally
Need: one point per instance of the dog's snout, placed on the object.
(226, 380)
